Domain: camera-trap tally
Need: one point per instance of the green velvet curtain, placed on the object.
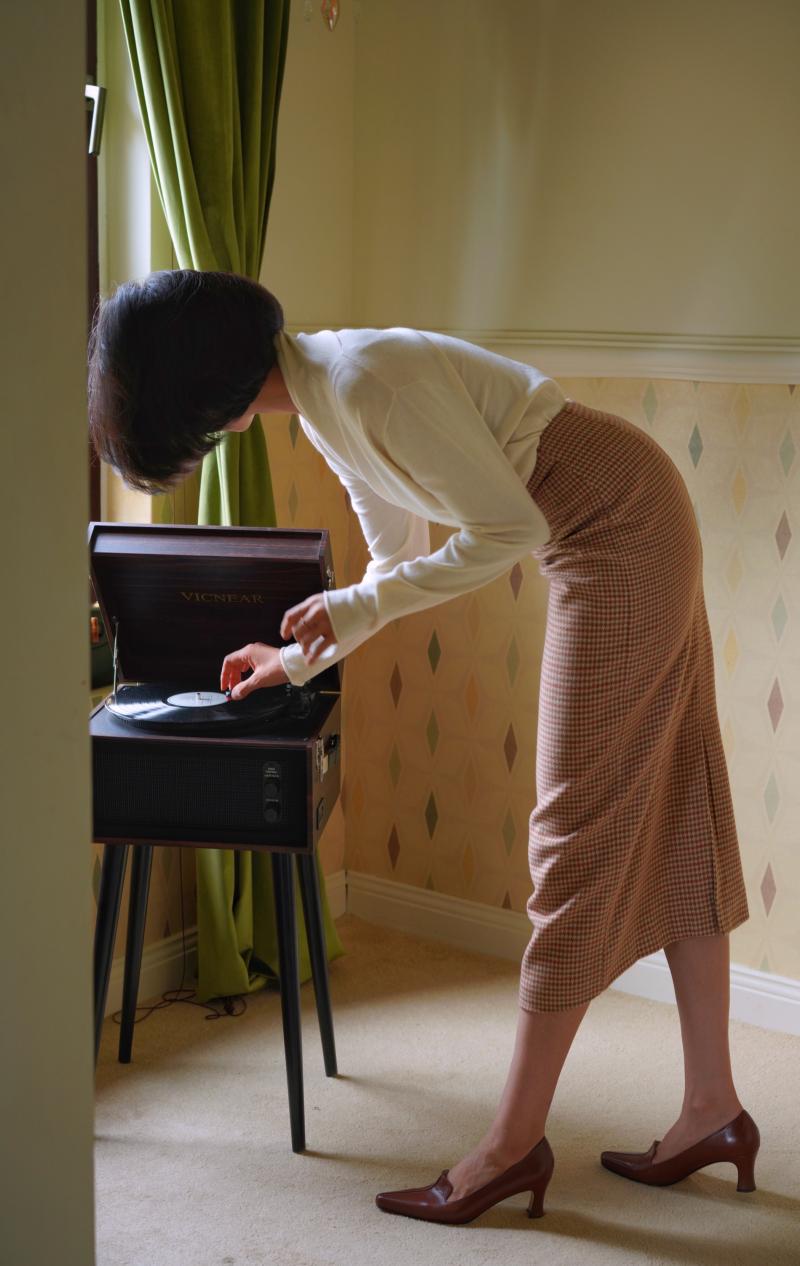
(208, 77)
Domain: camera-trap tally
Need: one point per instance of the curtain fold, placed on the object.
(208, 77)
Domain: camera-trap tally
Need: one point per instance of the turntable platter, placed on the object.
(170, 708)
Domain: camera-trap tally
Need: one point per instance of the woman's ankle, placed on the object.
(713, 1103)
(505, 1147)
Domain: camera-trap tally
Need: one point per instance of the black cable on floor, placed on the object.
(235, 1005)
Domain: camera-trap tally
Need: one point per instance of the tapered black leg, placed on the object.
(105, 929)
(137, 913)
(315, 934)
(283, 882)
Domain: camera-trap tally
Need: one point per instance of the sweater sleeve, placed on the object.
(440, 442)
(392, 535)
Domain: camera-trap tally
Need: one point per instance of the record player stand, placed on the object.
(108, 905)
(105, 929)
(137, 914)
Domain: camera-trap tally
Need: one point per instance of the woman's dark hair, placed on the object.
(172, 360)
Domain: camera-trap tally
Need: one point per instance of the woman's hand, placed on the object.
(309, 624)
(265, 661)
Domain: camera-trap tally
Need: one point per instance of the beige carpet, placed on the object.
(194, 1165)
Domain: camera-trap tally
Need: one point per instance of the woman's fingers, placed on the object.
(244, 688)
(233, 666)
(296, 619)
(308, 622)
(265, 662)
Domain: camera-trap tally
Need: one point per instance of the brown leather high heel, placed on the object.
(738, 1142)
(531, 1173)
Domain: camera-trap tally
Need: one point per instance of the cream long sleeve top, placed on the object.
(418, 426)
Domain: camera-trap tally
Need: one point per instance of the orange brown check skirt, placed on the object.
(633, 841)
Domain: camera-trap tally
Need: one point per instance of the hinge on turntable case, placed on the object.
(115, 658)
(320, 758)
(329, 576)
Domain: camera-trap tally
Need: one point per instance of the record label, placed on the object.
(197, 699)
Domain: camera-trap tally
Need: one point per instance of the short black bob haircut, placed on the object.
(172, 359)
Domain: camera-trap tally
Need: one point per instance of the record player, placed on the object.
(177, 763)
(174, 759)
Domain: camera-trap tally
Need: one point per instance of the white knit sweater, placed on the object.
(418, 426)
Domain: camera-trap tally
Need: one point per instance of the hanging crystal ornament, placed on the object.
(330, 12)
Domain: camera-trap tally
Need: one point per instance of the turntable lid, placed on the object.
(185, 596)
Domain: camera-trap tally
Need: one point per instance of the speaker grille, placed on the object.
(156, 791)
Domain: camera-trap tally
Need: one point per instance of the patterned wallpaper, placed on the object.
(440, 708)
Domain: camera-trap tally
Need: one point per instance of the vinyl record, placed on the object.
(168, 706)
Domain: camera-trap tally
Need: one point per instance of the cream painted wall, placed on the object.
(308, 257)
(46, 1082)
(561, 165)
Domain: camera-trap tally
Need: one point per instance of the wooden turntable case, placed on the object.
(181, 598)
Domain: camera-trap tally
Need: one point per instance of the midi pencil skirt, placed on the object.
(632, 842)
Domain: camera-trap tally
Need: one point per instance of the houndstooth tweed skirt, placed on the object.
(633, 841)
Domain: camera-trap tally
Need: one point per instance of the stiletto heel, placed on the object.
(536, 1202)
(738, 1141)
(746, 1171)
(532, 1173)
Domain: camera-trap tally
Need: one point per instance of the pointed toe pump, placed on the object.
(531, 1173)
(737, 1142)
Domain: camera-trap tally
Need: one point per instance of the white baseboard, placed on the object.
(757, 997)
(336, 888)
(162, 962)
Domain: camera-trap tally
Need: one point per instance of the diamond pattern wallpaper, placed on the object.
(440, 708)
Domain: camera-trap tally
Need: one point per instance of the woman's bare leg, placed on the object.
(700, 968)
(541, 1047)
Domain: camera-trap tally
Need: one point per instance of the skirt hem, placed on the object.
(658, 943)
